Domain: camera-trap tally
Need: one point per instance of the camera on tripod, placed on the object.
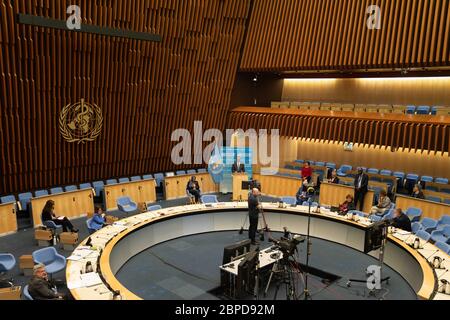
(288, 246)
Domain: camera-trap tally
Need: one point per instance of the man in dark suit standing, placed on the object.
(253, 214)
(238, 167)
(361, 188)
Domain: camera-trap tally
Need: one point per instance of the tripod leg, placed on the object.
(270, 279)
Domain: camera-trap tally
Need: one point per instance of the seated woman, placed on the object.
(384, 203)
(48, 214)
(348, 205)
(334, 178)
(98, 221)
(417, 192)
(194, 188)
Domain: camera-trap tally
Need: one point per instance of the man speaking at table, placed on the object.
(253, 214)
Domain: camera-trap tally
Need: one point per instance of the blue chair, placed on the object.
(385, 172)
(51, 225)
(441, 180)
(373, 171)
(414, 214)
(154, 207)
(124, 180)
(443, 246)
(342, 171)
(202, 170)
(88, 224)
(442, 222)
(56, 190)
(8, 199)
(53, 261)
(7, 262)
(389, 215)
(180, 172)
(71, 188)
(434, 111)
(312, 163)
(191, 172)
(441, 235)
(136, 178)
(41, 193)
(410, 110)
(434, 199)
(98, 187)
(359, 213)
(423, 110)
(447, 201)
(320, 164)
(431, 188)
(85, 186)
(415, 227)
(313, 204)
(289, 167)
(292, 201)
(209, 198)
(445, 190)
(428, 224)
(375, 218)
(422, 234)
(25, 200)
(26, 294)
(159, 177)
(147, 177)
(330, 165)
(399, 175)
(426, 179)
(111, 182)
(126, 205)
(413, 177)
(299, 161)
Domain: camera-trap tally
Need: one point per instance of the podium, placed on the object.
(238, 193)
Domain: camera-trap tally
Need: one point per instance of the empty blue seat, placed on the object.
(124, 180)
(84, 186)
(126, 205)
(441, 180)
(373, 171)
(192, 171)
(399, 175)
(447, 201)
(445, 190)
(300, 161)
(98, 187)
(428, 224)
(434, 199)
(154, 207)
(431, 188)
(25, 199)
(320, 164)
(426, 179)
(8, 199)
(434, 111)
(375, 218)
(389, 215)
(342, 171)
(53, 261)
(71, 188)
(414, 214)
(180, 172)
(423, 110)
(330, 165)
(7, 262)
(313, 204)
(443, 246)
(26, 294)
(441, 235)
(159, 177)
(136, 178)
(289, 167)
(411, 110)
(88, 225)
(209, 198)
(443, 221)
(147, 177)
(412, 176)
(111, 181)
(202, 170)
(289, 200)
(41, 193)
(422, 234)
(385, 172)
(415, 227)
(56, 190)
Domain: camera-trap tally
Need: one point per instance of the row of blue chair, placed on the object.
(421, 110)
(329, 165)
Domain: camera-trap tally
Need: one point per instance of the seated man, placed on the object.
(40, 288)
(301, 196)
(194, 188)
(348, 205)
(98, 221)
(384, 203)
(401, 220)
(417, 192)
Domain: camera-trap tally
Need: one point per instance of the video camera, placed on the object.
(288, 246)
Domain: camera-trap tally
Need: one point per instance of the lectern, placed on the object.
(238, 193)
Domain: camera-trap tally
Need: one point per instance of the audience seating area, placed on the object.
(350, 107)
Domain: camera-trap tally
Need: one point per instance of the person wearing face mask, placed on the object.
(361, 188)
(40, 287)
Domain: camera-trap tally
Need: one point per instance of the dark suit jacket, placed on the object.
(41, 289)
(253, 203)
(335, 180)
(190, 186)
(402, 222)
(234, 168)
(364, 182)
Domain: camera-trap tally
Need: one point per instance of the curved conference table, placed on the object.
(114, 245)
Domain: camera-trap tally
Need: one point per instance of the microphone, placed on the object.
(433, 254)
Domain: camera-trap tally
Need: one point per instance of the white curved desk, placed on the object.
(132, 235)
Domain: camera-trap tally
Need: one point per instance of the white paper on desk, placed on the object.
(403, 232)
(119, 223)
(90, 279)
(74, 258)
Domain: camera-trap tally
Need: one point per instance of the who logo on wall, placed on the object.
(80, 122)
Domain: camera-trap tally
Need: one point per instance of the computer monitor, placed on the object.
(245, 283)
(235, 250)
(374, 236)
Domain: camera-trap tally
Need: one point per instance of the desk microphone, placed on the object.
(433, 254)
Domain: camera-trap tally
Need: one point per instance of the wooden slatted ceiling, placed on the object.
(146, 90)
(398, 131)
(289, 35)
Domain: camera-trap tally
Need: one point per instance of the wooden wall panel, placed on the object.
(145, 89)
(287, 35)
